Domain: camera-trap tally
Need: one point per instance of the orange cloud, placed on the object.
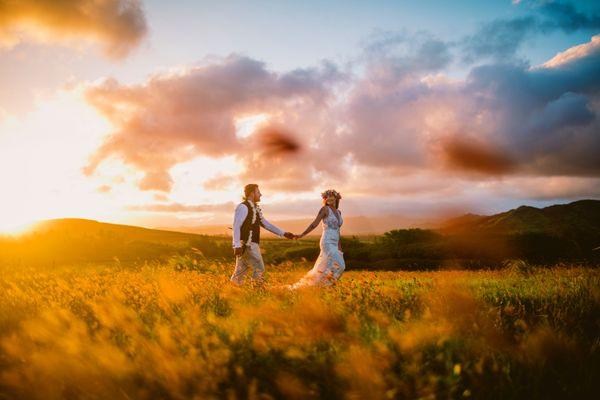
(392, 121)
(184, 208)
(104, 189)
(118, 25)
(174, 118)
(219, 182)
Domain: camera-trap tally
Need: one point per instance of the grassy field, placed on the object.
(179, 330)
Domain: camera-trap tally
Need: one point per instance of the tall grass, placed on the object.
(180, 330)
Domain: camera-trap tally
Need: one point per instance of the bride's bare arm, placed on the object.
(322, 214)
(340, 239)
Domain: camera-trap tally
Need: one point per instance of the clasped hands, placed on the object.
(290, 235)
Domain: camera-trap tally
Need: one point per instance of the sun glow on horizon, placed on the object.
(41, 157)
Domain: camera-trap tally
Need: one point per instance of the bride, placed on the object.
(330, 263)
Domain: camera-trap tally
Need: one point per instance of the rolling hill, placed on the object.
(545, 235)
(581, 217)
(69, 240)
(570, 231)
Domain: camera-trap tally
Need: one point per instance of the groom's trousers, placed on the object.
(250, 259)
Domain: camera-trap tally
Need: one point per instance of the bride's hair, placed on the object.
(335, 194)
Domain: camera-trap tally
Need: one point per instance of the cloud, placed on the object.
(500, 39)
(569, 110)
(548, 188)
(219, 182)
(471, 156)
(156, 180)
(385, 109)
(547, 117)
(402, 184)
(174, 117)
(381, 132)
(574, 54)
(406, 53)
(104, 189)
(118, 25)
(184, 208)
(564, 16)
(384, 122)
(502, 119)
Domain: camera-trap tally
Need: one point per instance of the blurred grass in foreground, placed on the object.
(180, 330)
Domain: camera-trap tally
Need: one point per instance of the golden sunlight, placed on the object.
(41, 157)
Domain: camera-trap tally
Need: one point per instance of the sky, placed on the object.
(158, 113)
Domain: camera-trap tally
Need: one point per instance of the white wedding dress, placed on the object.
(330, 263)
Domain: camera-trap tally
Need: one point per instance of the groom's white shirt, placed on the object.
(241, 212)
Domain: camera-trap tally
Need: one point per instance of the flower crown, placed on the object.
(329, 192)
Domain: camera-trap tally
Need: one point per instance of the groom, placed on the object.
(246, 236)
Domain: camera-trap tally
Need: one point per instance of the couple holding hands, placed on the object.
(248, 220)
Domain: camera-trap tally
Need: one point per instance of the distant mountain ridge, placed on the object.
(93, 227)
(578, 218)
(543, 235)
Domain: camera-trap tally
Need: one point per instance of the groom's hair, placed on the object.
(249, 189)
